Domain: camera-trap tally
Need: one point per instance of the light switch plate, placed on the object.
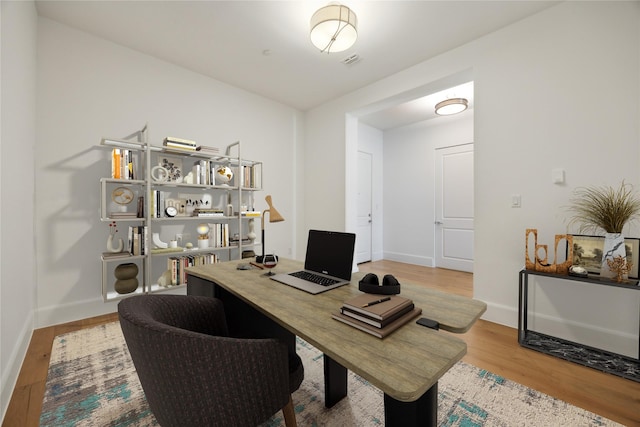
(516, 201)
(558, 176)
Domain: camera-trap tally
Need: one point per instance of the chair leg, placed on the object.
(289, 414)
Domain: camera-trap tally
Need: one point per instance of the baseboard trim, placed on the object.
(10, 375)
(409, 259)
(64, 313)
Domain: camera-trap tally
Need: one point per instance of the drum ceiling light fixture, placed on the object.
(451, 106)
(334, 28)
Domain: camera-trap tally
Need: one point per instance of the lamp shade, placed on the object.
(274, 215)
(451, 106)
(334, 28)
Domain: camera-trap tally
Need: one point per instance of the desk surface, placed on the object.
(404, 365)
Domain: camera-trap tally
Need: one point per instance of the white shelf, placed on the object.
(147, 157)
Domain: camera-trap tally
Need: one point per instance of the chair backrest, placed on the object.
(192, 373)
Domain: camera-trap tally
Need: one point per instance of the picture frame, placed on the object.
(587, 253)
(173, 166)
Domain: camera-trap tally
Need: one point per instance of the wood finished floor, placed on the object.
(490, 346)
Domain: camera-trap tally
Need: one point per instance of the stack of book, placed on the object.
(179, 143)
(201, 212)
(377, 315)
(123, 215)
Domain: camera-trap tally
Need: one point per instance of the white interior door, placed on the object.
(364, 227)
(454, 208)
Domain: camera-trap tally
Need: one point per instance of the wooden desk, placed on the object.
(406, 365)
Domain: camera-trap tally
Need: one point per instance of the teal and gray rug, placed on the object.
(92, 382)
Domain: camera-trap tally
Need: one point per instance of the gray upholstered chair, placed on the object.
(194, 374)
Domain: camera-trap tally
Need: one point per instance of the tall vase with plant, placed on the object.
(604, 208)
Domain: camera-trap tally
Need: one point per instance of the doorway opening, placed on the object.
(405, 228)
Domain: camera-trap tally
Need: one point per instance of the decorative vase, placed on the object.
(110, 247)
(613, 247)
(126, 275)
(203, 243)
(251, 235)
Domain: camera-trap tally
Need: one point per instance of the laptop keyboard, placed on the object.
(313, 278)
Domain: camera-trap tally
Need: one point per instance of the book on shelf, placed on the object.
(138, 237)
(177, 265)
(219, 235)
(207, 150)
(251, 214)
(251, 176)
(375, 322)
(123, 163)
(140, 207)
(157, 204)
(178, 149)
(179, 142)
(365, 304)
(115, 255)
(167, 250)
(375, 331)
(123, 215)
(204, 212)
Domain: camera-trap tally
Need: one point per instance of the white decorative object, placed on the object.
(155, 237)
(165, 279)
(110, 247)
(203, 243)
(251, 235)
(159, 174)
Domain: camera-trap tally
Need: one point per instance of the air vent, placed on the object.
(351, 59)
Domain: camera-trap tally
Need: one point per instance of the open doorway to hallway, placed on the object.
(406, 177)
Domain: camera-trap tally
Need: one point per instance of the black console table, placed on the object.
(602, 360)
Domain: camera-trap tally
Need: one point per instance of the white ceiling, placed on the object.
(264, 47)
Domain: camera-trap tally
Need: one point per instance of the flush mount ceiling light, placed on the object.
(334, 28)
(451, 106)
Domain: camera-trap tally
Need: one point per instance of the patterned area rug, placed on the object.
(92, 382)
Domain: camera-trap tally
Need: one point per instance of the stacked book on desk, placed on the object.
(377, 315)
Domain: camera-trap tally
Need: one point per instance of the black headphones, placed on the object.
(371, 285)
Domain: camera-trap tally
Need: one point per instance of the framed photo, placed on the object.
(588, 251)
(173, 165)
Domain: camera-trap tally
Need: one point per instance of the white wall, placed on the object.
(90, 88)
(544, 88)
(17, 139)
(409, 185)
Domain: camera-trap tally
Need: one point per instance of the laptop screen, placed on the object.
(330, 252)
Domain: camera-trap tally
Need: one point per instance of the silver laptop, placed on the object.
(327, 264)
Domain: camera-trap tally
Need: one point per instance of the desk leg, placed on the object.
(335, 381)
(422, 412)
